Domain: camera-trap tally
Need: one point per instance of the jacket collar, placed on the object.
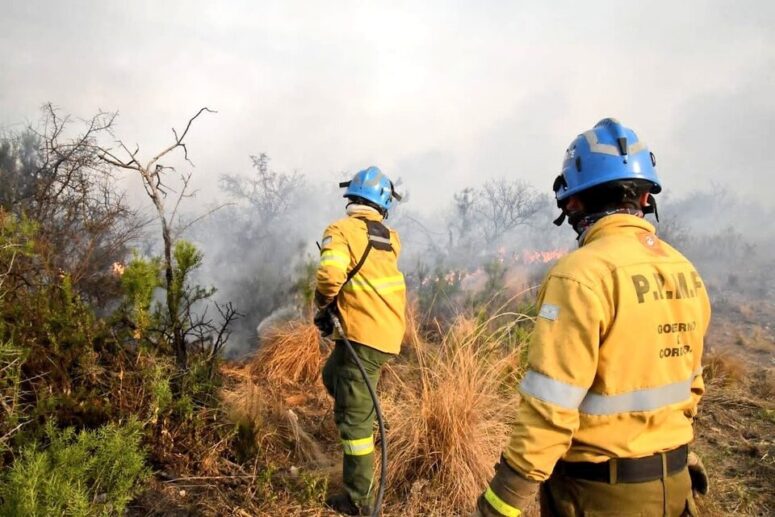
(363, 211)
(615, 223)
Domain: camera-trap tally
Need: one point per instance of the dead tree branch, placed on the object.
(152, 175)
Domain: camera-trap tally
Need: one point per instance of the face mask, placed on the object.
(581, 222)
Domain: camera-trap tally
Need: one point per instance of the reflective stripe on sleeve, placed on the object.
(501, 506)
(359, 447)
(551, 390)
(568, 396)
(384, 285)
(647, 399)
(335, 258)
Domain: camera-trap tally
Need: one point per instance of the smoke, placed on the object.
(728, 236)
(260, 250)
(472, 105)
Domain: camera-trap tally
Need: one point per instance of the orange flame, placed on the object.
(117, 269)
(542, 256)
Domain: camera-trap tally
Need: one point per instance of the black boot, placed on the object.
(342, 503)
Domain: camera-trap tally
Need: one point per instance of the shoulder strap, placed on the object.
(379, 235)
(353, 272)
(378, 238)
(359, 265)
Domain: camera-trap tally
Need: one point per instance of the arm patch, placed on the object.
(549, 312)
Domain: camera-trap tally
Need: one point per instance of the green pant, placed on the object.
(563, 496)
(354, 414)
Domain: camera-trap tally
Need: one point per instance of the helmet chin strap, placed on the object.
(559, 183)
(651, 208)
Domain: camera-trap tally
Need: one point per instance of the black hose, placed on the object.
(380, 420)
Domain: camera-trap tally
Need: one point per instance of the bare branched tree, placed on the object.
(59, 181)
(154, 175)
(481, 217)
(270, 194)
(504, 204)
(463, 214)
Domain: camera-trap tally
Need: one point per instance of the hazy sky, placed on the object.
(440, 93)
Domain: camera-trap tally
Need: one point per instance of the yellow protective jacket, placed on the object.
(373, 304)
(614, 364)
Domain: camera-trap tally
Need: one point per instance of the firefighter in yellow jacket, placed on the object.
(614, 374)
(358, 280)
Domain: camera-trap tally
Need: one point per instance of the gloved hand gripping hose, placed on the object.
(383, 466)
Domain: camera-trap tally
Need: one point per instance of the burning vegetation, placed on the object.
(114, 360)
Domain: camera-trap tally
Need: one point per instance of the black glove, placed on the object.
(324, 321)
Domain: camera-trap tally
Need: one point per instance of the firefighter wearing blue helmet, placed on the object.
(358, 280)
(607, 159)
(608, 398)
(373, 187)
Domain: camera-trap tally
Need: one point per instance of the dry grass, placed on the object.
(414, 341)
(734, 436)
(290, 354)
(724, 368)
(448, 421)
(449, 400)
(734, 431)
(763, 385)
(448, 403)
(268, 425)
(277, 400)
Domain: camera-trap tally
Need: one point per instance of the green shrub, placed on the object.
(11, 361)
(160, 389)
(139, 280)
(88, 473)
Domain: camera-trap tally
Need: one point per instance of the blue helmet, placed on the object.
(373, 186)
(607, 152)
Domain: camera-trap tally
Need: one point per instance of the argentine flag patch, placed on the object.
(549, 312)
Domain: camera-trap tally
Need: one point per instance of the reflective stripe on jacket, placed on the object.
(614, 363)
(373, 303)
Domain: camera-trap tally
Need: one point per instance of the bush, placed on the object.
(290, 354)
(139, 280)
(11, 360)
(450, 416)
(79, 474)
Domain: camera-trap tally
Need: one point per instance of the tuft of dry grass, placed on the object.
(413, 338)
(290, 354)
(763, 385)
(266, 424)
(724, 368)
(463, 330)
(449, 417)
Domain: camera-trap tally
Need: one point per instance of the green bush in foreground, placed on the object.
(81, 474)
